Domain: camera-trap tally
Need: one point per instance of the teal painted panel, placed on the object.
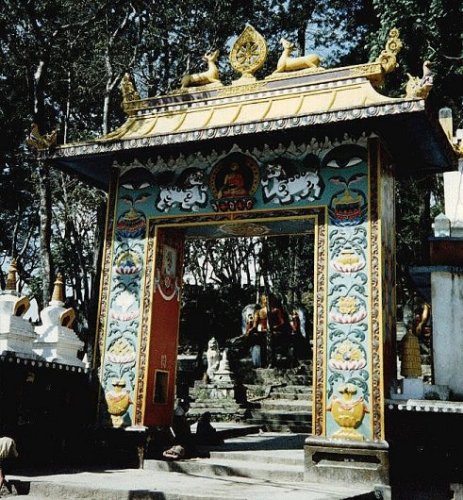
(331, 175)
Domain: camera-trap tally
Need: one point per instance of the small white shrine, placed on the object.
(57, 341)
(16, 333)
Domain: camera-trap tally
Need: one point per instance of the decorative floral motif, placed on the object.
(347, 310)
(125, 307)
(127, 263)
(121, 352)
(347, 356)
(348, 261)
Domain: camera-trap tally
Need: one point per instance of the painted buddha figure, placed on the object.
(233, 183)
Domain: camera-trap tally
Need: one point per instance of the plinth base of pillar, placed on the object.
(336, 461)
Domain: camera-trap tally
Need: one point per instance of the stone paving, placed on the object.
(150, 483)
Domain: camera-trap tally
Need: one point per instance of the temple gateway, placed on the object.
(303, 150)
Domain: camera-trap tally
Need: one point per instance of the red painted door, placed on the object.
(165, 316)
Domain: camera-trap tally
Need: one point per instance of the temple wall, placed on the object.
(447, 321)
(328, 181)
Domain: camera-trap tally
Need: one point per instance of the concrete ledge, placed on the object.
(346, 461)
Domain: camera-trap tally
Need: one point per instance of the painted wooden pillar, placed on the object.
(355, 357)
(139, 313)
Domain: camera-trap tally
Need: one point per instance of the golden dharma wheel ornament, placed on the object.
(248, 54)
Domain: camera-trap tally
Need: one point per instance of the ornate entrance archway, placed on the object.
(333, 185)
(303, 143)
(166, 238)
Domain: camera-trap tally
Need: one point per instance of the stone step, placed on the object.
(294, 388)
(218, 414)
(207, 403)
(288, 414)
(283, 405)
(289, 457)
(231, 467)
(279, 425)
(292, 396)
(290, 392)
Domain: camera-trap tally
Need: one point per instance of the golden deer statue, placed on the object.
(289, 63)
(211, 75)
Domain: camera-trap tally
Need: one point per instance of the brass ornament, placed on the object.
(419, 87)
(387, 58)
(129, 92)
(287, 63)
(131, 101)
(248, 54)
(38, 141)
(11, 277)
(458, 148)
(209, 78)
(58, 289)
(410, 345)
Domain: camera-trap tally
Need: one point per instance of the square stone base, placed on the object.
(336, 461)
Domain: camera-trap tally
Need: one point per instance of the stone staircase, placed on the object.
(258, 466)
(286, 409)
(273, 399)
(267, 456)
(282, 400)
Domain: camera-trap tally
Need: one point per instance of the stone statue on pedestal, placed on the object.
(213, 358)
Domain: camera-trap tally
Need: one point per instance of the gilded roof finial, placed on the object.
(209, 77)
(420, 86)
(248, 54)
(38, 141)
(387, 58)
(129, 93)
(58, 290)
(287, 63)
(11, 277)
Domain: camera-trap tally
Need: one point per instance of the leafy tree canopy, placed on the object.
(61, 63)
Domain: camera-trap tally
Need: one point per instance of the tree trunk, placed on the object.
(44, 188)
(45, 232)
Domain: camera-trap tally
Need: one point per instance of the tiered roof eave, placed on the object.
(328, 96)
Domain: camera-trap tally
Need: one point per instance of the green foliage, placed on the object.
(429, 31)
(61, 63)
(222, 276)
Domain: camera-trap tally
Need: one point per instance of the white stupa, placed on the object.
(57, 341)
(16, 333)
